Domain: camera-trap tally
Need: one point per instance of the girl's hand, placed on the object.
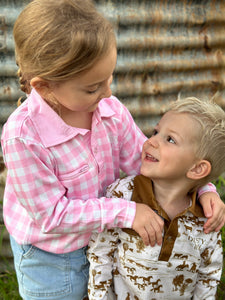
(214, 210)
(148, 225)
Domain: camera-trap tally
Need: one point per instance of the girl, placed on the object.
(64, 145)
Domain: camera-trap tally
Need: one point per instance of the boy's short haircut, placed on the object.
(211, 135)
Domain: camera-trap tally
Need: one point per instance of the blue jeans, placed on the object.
(44, 275)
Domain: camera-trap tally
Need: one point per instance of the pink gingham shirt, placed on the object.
(57, 174)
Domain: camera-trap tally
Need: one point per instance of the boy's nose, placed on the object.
(153, 141)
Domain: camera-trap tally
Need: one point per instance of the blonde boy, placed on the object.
(185, 152)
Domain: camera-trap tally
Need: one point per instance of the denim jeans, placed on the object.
(43, 275)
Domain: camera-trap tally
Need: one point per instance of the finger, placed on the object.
(155, 232)
(159, 238)
(145, 237)
(151, 236)
(208, 223)
(213, 225)
(218, 228)
(207, 208)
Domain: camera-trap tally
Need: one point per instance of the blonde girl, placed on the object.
(64, 145)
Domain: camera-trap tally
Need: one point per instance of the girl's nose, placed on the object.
(107, 89)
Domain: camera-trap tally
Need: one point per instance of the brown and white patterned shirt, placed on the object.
(188, 265)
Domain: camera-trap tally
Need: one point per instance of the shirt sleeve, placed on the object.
(32, 177)
(101, 256)
(210, 187)
(131, 140)
(210, 269)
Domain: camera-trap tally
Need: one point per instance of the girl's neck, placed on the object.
(77, 119)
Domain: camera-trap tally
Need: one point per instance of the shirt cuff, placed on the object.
(207, 188)
(126, 221)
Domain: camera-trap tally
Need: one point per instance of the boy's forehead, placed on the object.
(177, 117)
(181, 123)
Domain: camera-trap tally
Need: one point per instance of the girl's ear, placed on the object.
(200, 170)
(41, 86)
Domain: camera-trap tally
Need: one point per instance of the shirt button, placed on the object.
(169, 239)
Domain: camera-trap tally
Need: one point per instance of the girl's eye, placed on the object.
(171, 140)
(92, 92)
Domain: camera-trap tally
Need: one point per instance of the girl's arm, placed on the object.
(213, 206)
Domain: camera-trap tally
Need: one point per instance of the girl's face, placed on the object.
(84, 92)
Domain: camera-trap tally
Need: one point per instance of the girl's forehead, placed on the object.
(101, 70)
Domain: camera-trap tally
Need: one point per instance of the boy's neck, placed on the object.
(174, 199)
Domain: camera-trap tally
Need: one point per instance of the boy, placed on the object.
(185, 152)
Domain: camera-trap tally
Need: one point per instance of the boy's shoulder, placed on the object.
(121, 188)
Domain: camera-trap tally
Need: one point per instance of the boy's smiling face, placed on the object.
(171, 151)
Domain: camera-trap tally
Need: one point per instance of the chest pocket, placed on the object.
(78, 172)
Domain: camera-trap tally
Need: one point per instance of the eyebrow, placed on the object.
(171, 131)
(97, 83)
(175, 133)
(94, 84)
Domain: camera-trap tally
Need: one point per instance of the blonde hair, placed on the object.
(210, 134)
(58, 39)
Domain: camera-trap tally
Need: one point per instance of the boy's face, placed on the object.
(170, 152)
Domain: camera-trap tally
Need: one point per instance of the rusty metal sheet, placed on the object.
(2, 33)
(166, 48)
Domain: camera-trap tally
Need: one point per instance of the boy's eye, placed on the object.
(171, 140)
(154, 132)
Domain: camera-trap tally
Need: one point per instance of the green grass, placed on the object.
(9, 286)
(220, 185)
(8, 282)
(221, 287)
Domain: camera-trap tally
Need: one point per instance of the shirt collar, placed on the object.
(195, 208)
(143, 193)
(51, 128)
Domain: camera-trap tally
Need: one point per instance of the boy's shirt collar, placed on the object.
(51, 128)
(143, 193)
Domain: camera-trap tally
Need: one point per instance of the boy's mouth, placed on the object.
(150, 157)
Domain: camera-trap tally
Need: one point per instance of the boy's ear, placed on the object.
(41, 86)
(200, 170)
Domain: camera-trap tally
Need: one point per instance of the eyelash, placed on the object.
(170, 138)
(155, 132)
(92, 92)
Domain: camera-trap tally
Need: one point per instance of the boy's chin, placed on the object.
(145, 173)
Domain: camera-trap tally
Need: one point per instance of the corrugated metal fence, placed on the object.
(165, 48)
